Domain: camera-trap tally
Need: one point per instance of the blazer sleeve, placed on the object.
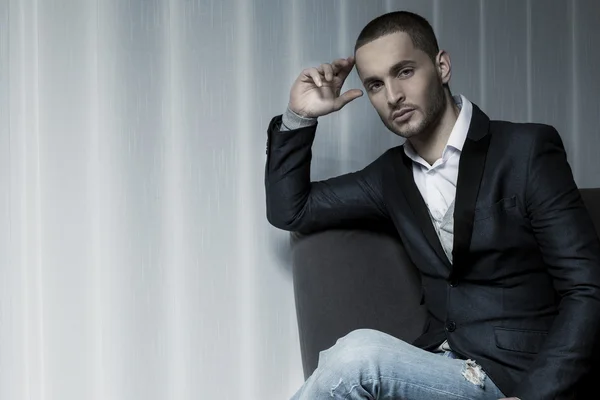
(295, 203)
(570, 248)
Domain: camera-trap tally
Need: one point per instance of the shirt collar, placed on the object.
(461, 127)
(458, 135)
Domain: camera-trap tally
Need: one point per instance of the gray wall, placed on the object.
(135, 258)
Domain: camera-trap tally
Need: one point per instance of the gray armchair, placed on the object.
(350, 279)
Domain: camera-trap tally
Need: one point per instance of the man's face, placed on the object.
(402, 84)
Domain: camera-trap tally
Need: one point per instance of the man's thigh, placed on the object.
(368, 363)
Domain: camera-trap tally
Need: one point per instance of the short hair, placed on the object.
(418, 29)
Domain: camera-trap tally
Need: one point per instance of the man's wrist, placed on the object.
(291, 120)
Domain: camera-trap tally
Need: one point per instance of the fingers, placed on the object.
(346, 98)
(326, 72)
(338, 65)
(343, 66)
(314, 75)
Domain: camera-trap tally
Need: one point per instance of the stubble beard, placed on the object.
(436, 103)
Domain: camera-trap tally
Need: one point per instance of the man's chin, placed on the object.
(405, 133)
(406, 129)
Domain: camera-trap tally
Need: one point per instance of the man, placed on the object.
(488, 211)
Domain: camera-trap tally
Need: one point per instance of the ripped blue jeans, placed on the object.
(368, 364)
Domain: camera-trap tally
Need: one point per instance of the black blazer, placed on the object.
(522, 296)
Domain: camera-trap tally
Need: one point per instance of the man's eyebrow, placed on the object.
(393, 69)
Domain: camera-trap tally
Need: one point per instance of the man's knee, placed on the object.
(370, 337)
(362, 337)
(357, 349)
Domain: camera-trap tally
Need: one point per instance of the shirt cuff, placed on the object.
(290, 121)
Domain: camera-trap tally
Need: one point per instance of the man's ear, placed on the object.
(444, 66)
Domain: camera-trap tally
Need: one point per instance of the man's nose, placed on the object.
(395, 94)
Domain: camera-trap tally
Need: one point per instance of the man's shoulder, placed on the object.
(516, 132)
(525, 128)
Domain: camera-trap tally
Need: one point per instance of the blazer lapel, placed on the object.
(470, 172)
(417, 205)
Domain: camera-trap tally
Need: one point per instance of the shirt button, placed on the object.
(450, 326)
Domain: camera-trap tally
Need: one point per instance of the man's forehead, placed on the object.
(384, 52)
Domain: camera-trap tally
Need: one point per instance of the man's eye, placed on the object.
(406, 72)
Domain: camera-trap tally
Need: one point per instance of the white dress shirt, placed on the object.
(437, 182)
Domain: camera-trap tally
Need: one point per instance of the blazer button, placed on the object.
(453, 282)
(450, 326)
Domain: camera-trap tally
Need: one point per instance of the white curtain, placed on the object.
(135, 258)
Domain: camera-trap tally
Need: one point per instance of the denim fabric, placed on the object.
(368, 364)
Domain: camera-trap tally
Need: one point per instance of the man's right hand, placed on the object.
(316, 91)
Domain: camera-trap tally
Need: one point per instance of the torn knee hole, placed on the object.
(473, 373)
